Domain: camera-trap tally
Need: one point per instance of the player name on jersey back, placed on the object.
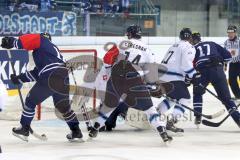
(137, 46)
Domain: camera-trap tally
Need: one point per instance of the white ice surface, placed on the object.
(126, 143)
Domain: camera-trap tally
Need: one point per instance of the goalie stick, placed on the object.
(213, 124)
(215, 115)
(83, 106)
(43, 136)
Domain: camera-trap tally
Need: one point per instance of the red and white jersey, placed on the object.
(178, 62)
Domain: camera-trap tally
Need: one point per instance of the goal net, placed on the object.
(84, 75)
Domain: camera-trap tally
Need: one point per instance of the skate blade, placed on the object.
(175, 134)
(198, 126)
(24, 138)
(76, 140)
(89, 139)
(167, 143)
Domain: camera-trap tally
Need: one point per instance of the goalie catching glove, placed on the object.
(111, 56)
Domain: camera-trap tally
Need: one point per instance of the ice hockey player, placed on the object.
(232, 44)
(51, 78)
(209, 61)
(127, 82)
(178, 61)
(100, 84)
(3, 96)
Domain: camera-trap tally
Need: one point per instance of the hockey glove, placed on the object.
(15, 79)
(8, 42)
(159, 89)
(188, 80)
(196, 80)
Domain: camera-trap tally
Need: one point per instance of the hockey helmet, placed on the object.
(134, 31)
(46, 35)
(185, 34)
(196, 37)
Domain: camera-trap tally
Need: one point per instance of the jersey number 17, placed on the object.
(204, 50)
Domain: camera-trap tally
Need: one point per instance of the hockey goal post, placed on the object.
(13, 107)
(78, 75)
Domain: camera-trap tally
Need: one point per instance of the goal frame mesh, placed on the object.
(77, 51)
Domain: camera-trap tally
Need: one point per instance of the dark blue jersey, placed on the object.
(210, 54)
(46, 55)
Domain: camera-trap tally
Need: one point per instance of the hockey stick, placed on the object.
(212, 124)
(215, 115)
(14, 72)
(206, 89)
(21, 97)
(42, 137)
(83, 107)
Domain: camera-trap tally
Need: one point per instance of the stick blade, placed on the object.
(218, 114)
(210, 124)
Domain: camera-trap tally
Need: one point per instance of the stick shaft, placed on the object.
(83, 107)
(14, 72)
(192, 110)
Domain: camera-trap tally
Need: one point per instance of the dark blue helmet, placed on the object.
(196, 37)
(185, 34)
(46, 35)
(134, 31)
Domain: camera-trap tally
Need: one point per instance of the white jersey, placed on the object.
(178, 62)
(141, 57)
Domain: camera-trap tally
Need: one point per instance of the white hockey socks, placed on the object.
(154, 117)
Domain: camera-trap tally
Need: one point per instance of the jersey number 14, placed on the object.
(135, 60)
